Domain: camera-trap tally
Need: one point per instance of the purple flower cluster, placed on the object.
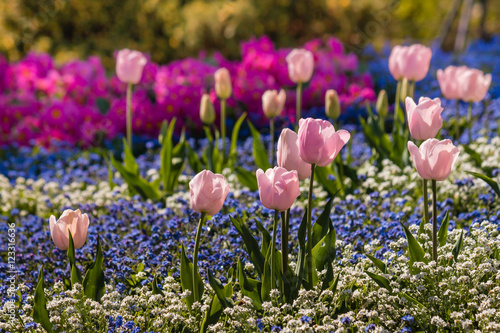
(76, 102)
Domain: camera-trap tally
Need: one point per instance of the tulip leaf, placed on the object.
(187, 278)
(458, 246)
(249, 287)
(299, 268)
(324, 251)
(421, 230)
(443, 229)
(76, 275)
(415, 251)
(177, 163)
(323, 224)
(40, 313)
(259, 152)
(130, 163)
(493, 184)
(380, 280)
(209, 150)
(412, 300)
(333, 285)
(212, 315)
(221, 291)
(94, 284)
(267, 279)
(155, 288)
(251, 244)
(266, 237)
(321, 175)
(379, 263)
(247, 178)
(328, 279)
(474, 155)
(234, 138)
(193, 159)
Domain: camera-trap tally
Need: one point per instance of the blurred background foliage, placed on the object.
(171, 29)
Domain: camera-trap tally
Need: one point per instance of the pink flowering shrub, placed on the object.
(78, 103)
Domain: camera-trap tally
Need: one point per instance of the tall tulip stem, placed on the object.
(273, 244)
(426, 200)
(309, 226)
(396, 103)
(129, 115)
(469, 121)
(271, 147)
(223, 125)
(284, 248)
(457, 120)
(195, 257)
(434, 221)
(299, 105)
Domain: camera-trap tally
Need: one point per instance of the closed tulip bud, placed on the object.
(223, 87)
(474, 85)
(70, 220)
(287, 154)
(319, 143)
(273, 103)
(278, 188)
(207, 111)
(300, 65)
(129, 66)
(332, 104)
(424, 119)
(382, 104)
(208, 191)
(434, 159)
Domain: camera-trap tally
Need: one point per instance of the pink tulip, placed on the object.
(434, 159)
(319, 143)
(411, 62)
(223, 87)
(474, 85)
(273, 103)
(300, 65)
(288, 154)
(208, 191)
(424, 119)
(449, 81)
(129, 66)
(278, 188)
(74, 221)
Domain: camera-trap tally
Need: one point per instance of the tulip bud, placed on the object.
(223, 87)
(382, 104)
(207, 111)
(332, 104)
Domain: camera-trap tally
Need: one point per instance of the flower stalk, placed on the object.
(195, 256)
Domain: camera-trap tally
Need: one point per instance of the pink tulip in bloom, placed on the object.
(208, 191)
(74, 221)
(129, 66)
(223, 87)
(288, 154)
(300, 65)
(474, 85)
(319, 143)
(273, 103)
(411, 62)
(278, 188)
(424, 119)
(449, 81)
(434, 159)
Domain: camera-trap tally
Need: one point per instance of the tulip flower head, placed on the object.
(278, 188)
(474, 85)
(129, 66)
(319, 143)
(434, 159)
(70, 220)
(411, 62)
(300, 65)
(449, 81)
(223, 86)
(424, 119)
(288, 154)
(208, 191)
(273, 103)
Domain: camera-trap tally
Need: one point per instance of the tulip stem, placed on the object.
(426, 200)
(434, 221)
(271, 147)
(457, 121)
(195, 257)
(309, 227)
(396, 105)
(284, 250)
(469, 121)
(299, 105)
(412, 89)
(129, 115)
(273, 248)
(223, 126)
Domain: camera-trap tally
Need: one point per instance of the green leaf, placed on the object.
(380, 280)
(379, 263)
(94, 284)
(493, 184)
(251, 244)
(166, 154)
(323, 224)
(421, 230)
(213, 314)
(163, 131)
(476, 157)
(209, 150)
(443, 229)
(247, 178)
(321, 175)
(40, 313)
(155, 288)
(299, 268)
(130, 163)
(103, 105)
(415, 251)
(193, 159)
(266, 237)
(324, 251)
(234, 138)
(333, 286)
(177, 163)
(220, 291)
(412, 300)
(76, 275)
(187, 277)
(249, 287)
(267, 279)
(327, 281)
(458, 246)
(259, 151)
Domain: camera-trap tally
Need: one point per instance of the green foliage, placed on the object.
(259, 151)
(94, 284)
(443, 229)
(493, 184)
(415, 251)
(187, 278)
(76, 275)
(40, 313)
